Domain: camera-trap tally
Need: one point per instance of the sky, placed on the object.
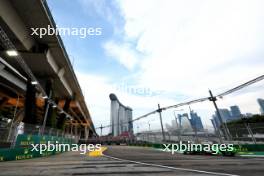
(166, 52)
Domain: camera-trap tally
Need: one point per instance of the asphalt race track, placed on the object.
(230, 165)
(128, 161)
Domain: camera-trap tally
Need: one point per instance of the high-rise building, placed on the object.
(216, 121)
(184, 122)
(196, 121)
(181, 118)
(214, 125)
(225, 114)
(261, 104)
(235, 112)
(121, 117)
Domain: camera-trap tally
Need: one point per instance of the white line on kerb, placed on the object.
(169, 167)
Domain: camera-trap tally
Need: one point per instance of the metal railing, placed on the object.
(9, 132)
(251, 132)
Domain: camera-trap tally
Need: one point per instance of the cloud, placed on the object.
(122, 53)
(184, 40)
(102, 11)
(190, 46)
(99, 8)
(184, 48)
(96, 90)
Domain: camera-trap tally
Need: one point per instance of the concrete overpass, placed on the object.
(41, 76)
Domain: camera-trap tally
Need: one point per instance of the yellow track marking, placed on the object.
(97, 153)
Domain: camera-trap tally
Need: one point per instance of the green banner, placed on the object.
(22, 149)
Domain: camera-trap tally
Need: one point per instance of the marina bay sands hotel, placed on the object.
(121, 117)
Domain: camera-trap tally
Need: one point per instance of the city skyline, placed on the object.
(234, 113)
(132, 50)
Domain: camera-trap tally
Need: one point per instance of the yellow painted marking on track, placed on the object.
(97, 153)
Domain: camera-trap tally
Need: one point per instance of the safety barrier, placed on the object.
(22, 148)
(239, 149)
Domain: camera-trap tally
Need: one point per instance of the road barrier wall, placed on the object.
(23, 147)
(241, 149)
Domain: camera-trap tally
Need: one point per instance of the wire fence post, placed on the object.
(244, 119)
(225, 130)
(160, 116)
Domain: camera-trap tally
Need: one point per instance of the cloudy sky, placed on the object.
(164, 51)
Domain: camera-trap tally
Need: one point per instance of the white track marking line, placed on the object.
(169, 167)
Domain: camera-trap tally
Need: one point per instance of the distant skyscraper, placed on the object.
(184, 122)
(225, 114)
(121, 117)
(181, 117)
(235, 112)
(216, 121)
(174, 124)
(196, 121)
(214, 125)
(261, 104)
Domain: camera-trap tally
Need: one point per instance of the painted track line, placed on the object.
(170, 167)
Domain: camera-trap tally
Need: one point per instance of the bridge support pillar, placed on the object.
(75, 130)
(62, 118)
(86, 132)
(30, 104)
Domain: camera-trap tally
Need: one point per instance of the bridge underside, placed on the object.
(41, 69)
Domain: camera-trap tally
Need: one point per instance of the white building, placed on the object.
(121, 117)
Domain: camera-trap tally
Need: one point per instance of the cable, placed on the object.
(260, 78)
(253, 81)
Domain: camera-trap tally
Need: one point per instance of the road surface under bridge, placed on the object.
(126, 160)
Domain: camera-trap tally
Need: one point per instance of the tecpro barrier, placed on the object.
(242, 149)
(22, 148)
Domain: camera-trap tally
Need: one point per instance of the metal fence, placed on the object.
(251, 132)
(9, 132)
(239, 133)
(157, 137)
